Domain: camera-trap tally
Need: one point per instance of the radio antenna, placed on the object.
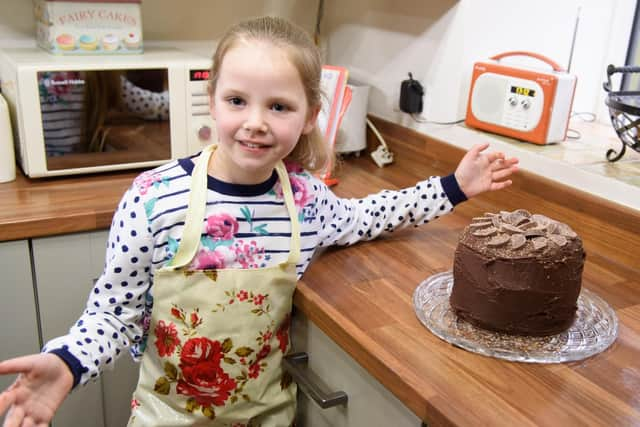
(573, 40)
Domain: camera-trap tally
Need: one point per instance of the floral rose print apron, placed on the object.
(217, 337)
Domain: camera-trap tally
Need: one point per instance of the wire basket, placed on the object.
(624, 110)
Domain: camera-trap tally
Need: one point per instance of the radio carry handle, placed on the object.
(538, 56)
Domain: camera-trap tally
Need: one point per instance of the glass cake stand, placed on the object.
(594, 329)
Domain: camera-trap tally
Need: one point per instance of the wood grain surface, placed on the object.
(361, 296)
(49, 206)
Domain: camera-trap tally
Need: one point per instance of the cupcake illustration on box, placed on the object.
(132, 41)
(110, 42)
(66, 42)
(88, 42)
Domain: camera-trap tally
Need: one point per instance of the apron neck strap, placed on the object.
(287, 193)
(198, 203)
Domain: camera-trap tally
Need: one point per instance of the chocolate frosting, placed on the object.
(518, 273)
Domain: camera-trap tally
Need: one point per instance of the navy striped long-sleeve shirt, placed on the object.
(245, 226)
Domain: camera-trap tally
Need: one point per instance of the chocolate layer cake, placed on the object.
(518, 273)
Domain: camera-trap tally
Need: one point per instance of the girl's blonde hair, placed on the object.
(311, 151)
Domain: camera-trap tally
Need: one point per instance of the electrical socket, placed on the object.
(382, 156)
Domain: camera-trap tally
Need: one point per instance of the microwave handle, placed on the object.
(542, 58)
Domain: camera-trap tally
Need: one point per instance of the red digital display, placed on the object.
(199, 75)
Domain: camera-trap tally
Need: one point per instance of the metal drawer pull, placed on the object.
(295, 364)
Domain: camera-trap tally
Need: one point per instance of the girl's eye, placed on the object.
(279, 107)
(236, 101)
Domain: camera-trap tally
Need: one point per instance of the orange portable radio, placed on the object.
(525, 103)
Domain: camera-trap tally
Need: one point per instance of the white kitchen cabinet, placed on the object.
(117, 388)
(369, 403)
(17, 307)
(65, 269)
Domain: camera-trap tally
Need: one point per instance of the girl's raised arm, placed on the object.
(478, 172)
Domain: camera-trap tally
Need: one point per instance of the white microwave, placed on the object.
(81, 114)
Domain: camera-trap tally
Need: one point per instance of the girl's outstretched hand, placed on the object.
(478, 172)
(43, 382)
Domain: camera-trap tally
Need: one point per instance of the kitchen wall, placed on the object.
(170, 19)
(380, 41)
(439, 40)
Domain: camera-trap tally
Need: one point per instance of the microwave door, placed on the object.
(98, 119)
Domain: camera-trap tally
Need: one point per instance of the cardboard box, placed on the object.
(89, 27)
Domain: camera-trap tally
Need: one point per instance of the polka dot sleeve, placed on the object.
(347, 221)
(145, 103)
(112, 319)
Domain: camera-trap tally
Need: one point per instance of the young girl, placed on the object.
(204, 252)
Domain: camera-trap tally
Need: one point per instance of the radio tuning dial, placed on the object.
(204, 133)
(526, 104)
(513, 101)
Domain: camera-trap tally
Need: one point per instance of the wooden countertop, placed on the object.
(361, 296)
(49, 206)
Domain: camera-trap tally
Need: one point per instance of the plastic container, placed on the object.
(352, 134)
(7, 156)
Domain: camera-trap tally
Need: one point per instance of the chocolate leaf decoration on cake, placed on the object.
(541, 219)
(566, 231)
(485, 232)
(539, 243)
(480, 224)
(510, 229)
(552, 227)
(536, 231)
(522, 212)
(527, 225)
(558, 239)
(496, 222)
(499, 240)
(518, 241)
(517, 219)
(518, 228)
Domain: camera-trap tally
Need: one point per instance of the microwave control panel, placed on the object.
(201, 130)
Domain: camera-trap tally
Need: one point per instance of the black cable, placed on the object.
(319, 15)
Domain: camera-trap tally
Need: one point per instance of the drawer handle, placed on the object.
(295, 364)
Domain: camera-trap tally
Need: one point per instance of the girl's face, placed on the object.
(260, 108)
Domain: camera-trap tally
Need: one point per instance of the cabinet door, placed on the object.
(66, 267)
(18, 316)
(117, 388)
(370, 403)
